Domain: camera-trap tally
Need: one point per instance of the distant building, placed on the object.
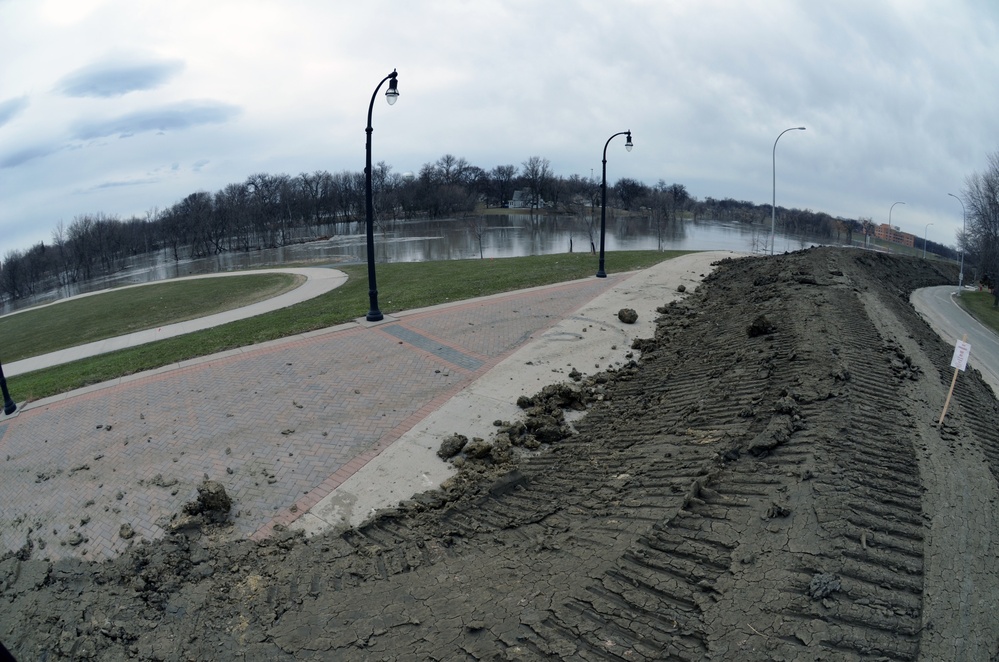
(885, 232)
(522, 200)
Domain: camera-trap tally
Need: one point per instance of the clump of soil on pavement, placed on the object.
(728, 495)
(627, 315)
(213, 503)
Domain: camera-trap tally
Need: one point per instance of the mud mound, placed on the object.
(728, 496)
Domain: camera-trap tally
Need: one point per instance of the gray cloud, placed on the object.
(112, 79)
(119, 184)
(172, 117)
(22, 156)
(10, 108)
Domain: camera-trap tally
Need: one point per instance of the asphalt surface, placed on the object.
(937, 306)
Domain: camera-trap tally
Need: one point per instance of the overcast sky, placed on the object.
(124, 106)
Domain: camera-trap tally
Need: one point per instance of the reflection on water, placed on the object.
(453, 239)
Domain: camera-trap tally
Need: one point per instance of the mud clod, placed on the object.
(776, 510)
(451, 446)
(761, 326)
(213, 503)
(627, 315)
(823, 585)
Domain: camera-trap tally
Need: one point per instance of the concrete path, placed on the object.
(318, 281)
(313, 431)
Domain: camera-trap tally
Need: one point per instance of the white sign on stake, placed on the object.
(960, 358)
(959, 362)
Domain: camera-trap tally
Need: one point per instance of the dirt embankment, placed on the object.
(767, 482)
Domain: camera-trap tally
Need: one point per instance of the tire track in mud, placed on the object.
(661, 595)
(650, 601)
(865, 586)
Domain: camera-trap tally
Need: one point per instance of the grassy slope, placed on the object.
(979, 305)
(401, 286)
(89, 319)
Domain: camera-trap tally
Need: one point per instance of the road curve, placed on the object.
(318, 281)
(937, 306)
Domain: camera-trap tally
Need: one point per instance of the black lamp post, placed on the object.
(391, 94)
(9, 406)
(603, 199)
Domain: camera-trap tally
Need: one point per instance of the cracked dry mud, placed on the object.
(774, 495)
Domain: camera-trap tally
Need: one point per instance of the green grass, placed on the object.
(89, 319)
(979, 306)
(401, 286)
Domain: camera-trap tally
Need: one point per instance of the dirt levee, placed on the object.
(766, 482)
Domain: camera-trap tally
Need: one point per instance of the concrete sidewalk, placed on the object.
(318, 281)
(313, 431)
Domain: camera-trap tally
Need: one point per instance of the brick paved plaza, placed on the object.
(279, 425)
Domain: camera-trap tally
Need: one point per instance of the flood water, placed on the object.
(451, 239)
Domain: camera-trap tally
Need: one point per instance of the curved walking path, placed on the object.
(313, 431)
(318, 281)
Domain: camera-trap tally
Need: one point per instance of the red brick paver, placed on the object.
(280, 426)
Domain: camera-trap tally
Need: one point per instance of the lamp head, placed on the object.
(627, 143)
(392, 93)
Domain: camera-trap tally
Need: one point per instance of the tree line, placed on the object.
(980, 238)
(268, 210)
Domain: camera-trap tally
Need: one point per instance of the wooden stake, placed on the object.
(951, 391)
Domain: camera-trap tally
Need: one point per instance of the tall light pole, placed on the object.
(964, 229)
(889, 224)
(603, 199)
(924, 239)
(773, 206)
(391, 94)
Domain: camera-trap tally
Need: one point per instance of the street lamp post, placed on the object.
(888, 243)
(924, 239)
(603, 198)
(9, 406)
(773, 206)
(964, 223)
(391, 95)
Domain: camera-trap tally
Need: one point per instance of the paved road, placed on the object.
(941, 312)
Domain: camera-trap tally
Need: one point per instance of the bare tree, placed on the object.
(452, 170)
(477, 225)
(537, 174)
(232, 208)
(981, 193)
(63, 260)
(83, 253)
(502, 183)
